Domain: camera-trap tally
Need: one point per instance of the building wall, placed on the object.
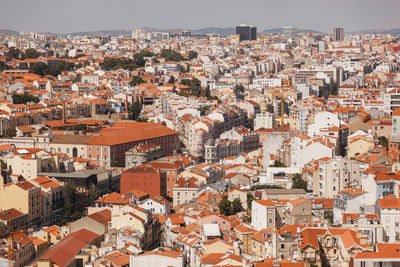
(150, 182)
(15, 197)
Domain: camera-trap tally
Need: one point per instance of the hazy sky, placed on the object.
(89, 15)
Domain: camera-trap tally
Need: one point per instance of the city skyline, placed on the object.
(74, 16)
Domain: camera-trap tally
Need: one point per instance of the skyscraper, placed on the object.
(290, 32)
(246, 32)
(338, 34)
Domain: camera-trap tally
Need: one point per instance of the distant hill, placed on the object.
(209, 30)
(8, 32)
(280, 30)
(102, 32)
(381, 31)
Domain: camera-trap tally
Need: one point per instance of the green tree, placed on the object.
(115, 164)
(298, 182)
(225, 207)
(142, 119)
(15, 53)
(192, 54)
(70, 200)
(3, 66)
(134, 110)
(171, 55)
(194, 85)
(121, 63)
(265, 186)
(3, 165)
(171, 79)
(250, 198)
(208, 92)
(80, 127)
(236, 206)
(38, 68)
(136, 80)
(24, 98)
(31, 53)
(383, 141)
(9, 133)
(328, 215)
(93, 194)
(203, 110)
(278, 163)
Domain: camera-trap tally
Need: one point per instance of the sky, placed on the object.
(90, 15)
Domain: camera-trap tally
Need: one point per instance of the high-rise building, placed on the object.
(290, 32)
(246, 32)
(338, 34)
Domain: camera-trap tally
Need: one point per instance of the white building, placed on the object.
(388, 209)
(323, 119)
(157, 205)
(262, 214)
(264, 120)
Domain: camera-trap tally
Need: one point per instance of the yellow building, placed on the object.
(245, 235)
(24, 197)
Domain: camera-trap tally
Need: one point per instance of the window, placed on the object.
(282, 246)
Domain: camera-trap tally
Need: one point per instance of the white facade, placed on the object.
(324, 119)
(264, 120)
(155, 207)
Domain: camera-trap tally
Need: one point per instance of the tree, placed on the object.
(192, 54)
(171, 79)
(134, 110)
(80, 127)
(203, 110)
(24, 98)
(142, 119)
(265, 186)
(93, 194)
(236, 206)
(278, 163)
(171, 55)
(31, 53)
(70, 200)
(250, 199)
(15, 53)
(3, 66)
(225, 207)
(9, 133)
(208, 92)
(38, 68)
(194, 85)
(298, 182)
(136, 80)
(383, 141)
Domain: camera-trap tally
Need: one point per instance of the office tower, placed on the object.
(338, 34)
(290, 32)
(246, 32)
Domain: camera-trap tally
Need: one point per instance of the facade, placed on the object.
(110, 146)
(185, 190)
(146, 179)
(264, 120)
(24, 197)
(142, 154)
